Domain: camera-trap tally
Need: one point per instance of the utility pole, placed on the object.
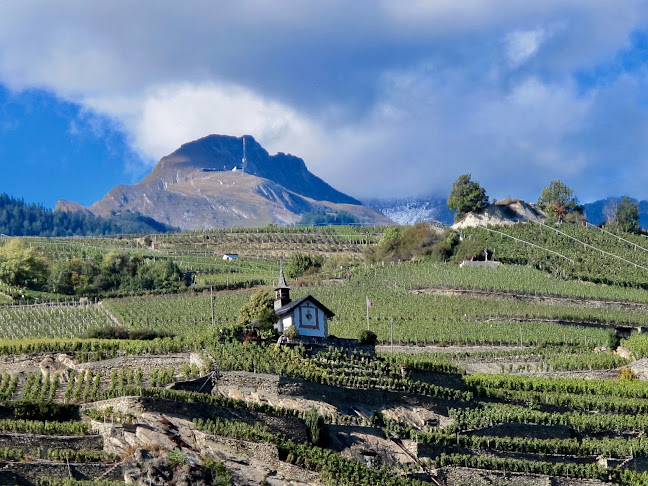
(244, 160)
(392, 335)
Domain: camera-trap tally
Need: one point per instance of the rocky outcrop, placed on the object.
(505, 212)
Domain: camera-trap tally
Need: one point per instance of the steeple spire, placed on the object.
(282, 291)
(281, 283)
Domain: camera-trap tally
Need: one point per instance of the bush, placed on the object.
(258, 313)
(177, 458)
(613, 340)
(367, 337)
(291, 332)
(405, 243)
(301, 264)
(314, 426)
(469, 250)
(627, 374)
(218, 474)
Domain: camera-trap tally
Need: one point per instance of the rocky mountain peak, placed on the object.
(206, 184)
(225, 153)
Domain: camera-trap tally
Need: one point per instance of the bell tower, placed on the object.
(282, 291)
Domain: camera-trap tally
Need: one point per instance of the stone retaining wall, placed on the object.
(31, 471)
(29, 442)
(267, 384)
(291, 427)
(461, 476)
(262, 451)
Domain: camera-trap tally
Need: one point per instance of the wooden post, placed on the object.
(211, 294)
(367, 304)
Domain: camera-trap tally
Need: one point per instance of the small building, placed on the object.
(309, 316)
(230, 256)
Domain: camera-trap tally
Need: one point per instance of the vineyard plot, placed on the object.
(51, 320)
(598, 256)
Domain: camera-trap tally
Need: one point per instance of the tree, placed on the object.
(301, 263)
(327, 217)
(259, 311)
(466, 196)
(557, 200)
(627, 215)
(22, 265)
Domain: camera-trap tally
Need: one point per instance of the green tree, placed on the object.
(22, 265)
(72, 276)
(557, 200)
(627, 215)
(327, 217)
(301, 263)
(259, 311)
(466, 196)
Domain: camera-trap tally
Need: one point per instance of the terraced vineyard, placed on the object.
(482, 375)
(273, 242)
(587, 253)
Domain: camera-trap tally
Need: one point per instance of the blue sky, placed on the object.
(380, 98)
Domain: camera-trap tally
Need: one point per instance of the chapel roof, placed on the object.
(292, 305)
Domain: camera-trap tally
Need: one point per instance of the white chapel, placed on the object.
(307, 314)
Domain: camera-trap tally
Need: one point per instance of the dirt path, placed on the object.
(543, 298)
(402, 348)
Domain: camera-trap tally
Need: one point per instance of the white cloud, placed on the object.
(521, 45)
(380, 98)
(162, 118)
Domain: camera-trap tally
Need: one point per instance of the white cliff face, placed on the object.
(503, 214)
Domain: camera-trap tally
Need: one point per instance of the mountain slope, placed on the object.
(201, 186)
(17, 218)
(412, 210)
(597, 212)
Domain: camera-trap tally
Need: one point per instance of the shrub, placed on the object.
(301, 264)
(216, 472)
(258, 313)
(291, 332)
(613, 340)
(367, 337)
(469, 250)
(177, 458)
(314, 426)
(627, 374)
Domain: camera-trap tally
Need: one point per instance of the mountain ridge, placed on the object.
(211, 183)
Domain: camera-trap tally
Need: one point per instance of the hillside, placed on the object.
(480, 375)
(495, 376)
(196, 187)
(18, 218)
